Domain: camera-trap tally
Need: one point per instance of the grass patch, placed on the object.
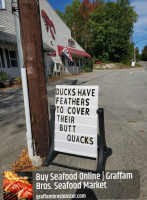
(86, 69)
(131, 121)
(138, 65)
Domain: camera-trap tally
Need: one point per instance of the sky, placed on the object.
(140, 27)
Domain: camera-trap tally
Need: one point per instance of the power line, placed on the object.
(141, 40)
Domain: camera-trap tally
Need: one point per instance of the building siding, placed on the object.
(12, 72)
(62, 31)
(7, 19)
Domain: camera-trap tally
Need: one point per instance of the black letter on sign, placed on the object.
(69, 138)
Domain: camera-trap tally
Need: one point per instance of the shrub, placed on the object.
(4, 76)
(90, 64)
(86, 69)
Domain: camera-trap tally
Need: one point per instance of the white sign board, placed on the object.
(76, 120)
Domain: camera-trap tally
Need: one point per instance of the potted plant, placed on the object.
(4, 79)
(16, 81)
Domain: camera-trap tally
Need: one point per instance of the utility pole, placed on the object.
(134, 53)
(31, 36)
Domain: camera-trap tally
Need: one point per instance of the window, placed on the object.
(2, 64)
(71, 43)
(13, 58)
(2, 4)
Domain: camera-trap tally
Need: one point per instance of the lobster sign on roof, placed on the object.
(49, 24)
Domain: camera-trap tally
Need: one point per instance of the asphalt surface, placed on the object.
(123, 95)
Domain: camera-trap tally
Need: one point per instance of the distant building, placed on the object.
(56, 37)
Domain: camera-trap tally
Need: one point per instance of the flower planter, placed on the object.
(5, 83)
(4, 79)
(15, 82)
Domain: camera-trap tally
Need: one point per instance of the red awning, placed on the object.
(74, 52)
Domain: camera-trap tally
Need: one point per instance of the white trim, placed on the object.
(27, 112)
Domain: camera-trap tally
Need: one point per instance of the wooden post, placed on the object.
(31, 35)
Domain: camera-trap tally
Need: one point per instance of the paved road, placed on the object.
(123, 95)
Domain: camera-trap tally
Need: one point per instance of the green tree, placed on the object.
(73, 19)
(144, 53)
(112, 26)
(102, 29)
(77, 18)
(61, 14)
(138, 56)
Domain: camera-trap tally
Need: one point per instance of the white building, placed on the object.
(56, 36)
